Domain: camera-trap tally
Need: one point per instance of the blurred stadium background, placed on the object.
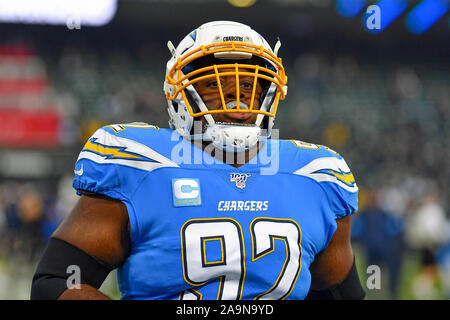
(381, 99)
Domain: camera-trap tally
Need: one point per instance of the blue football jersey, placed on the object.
(202, 229)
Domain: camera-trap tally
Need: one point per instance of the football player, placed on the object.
(200, 211)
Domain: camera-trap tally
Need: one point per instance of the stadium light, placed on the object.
(350, 8)
(242, 3)
(57, 12)
(425, 14)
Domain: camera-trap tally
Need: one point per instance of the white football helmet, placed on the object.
(210, 49)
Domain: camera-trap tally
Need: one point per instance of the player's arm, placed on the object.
(95, 238)
(333, 272)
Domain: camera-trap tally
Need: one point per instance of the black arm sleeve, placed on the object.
(349, 289)
(52, 273)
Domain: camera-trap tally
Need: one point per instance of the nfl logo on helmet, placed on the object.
(239, 179)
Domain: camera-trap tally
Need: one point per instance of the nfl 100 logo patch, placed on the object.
(239, 179)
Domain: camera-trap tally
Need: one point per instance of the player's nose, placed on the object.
(230, 91)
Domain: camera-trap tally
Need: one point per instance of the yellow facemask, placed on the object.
(274, 74)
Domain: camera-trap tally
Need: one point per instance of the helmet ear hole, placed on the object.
(192, 102)
(265, 123)
(175, 106)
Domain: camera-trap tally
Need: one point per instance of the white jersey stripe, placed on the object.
(103, 137)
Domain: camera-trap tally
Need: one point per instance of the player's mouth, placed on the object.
(237, 115)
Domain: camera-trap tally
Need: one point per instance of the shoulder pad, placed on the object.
(111, 164)
(330, 170)
(107, 145)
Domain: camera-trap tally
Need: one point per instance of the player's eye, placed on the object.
(246, 85)
(213, 84)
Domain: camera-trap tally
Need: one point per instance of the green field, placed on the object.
(411, 286)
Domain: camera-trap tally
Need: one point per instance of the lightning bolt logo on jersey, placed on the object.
(212, 231)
